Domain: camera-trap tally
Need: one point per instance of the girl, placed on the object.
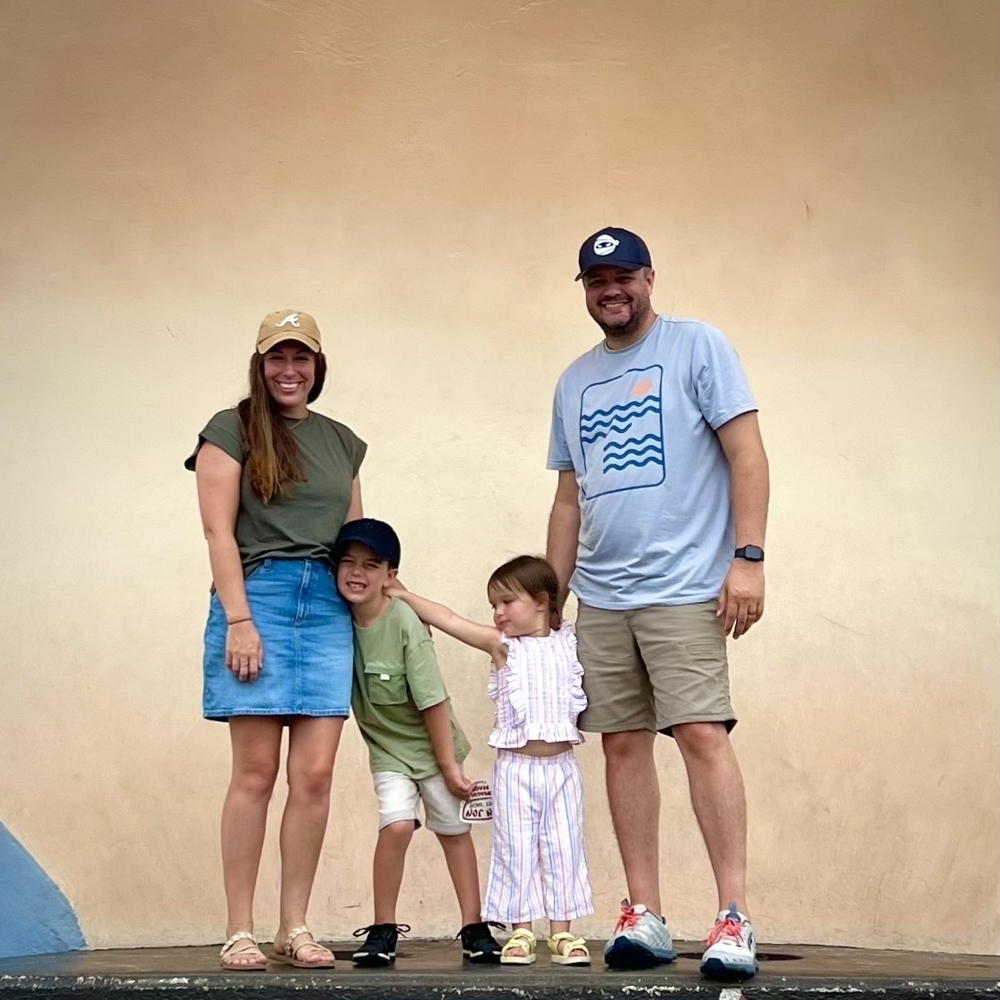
(276, 481)
(539, 862)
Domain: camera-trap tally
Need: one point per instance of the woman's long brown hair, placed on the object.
(274, 463)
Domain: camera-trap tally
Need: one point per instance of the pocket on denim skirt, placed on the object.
(261, 567)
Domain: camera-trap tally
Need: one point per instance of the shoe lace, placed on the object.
(628, 919)
(482, 928)
(730, 928)
(402, 929)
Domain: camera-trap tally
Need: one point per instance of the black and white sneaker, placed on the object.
(478, 943)
(380, 944)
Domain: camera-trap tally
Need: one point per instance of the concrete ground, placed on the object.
(434, 969)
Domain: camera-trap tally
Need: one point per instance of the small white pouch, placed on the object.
(478, 807)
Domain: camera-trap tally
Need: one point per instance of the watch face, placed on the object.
(753, 552)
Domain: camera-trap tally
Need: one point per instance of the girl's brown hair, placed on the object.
(273, 462)
(529, 575)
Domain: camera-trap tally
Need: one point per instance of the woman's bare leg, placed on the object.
(312, 750)
(256, 743)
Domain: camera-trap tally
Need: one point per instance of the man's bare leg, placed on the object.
(719, 804)
(634, 800)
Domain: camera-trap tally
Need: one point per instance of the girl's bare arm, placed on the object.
(483, 637)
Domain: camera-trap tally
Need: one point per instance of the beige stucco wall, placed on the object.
(818, 179)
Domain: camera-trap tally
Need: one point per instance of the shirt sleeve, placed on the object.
(423, 676)
(559, 457)
(721, 386)
(360, 450)
(353, 447)
(223, 430)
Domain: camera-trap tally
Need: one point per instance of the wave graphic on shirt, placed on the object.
(621, 433)
(633, 451)
(616, 420)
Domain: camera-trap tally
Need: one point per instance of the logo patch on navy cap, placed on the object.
(605, 244)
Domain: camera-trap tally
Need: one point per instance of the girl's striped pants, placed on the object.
(539, 863)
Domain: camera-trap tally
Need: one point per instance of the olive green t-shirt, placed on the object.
(396, 677)
(305, 524)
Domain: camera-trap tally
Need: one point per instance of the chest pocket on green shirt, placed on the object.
(386, 683)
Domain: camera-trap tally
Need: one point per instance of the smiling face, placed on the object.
(289, 374)
(618, 301)
(517, 613)
(361, 575)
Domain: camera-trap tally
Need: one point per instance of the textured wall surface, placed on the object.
(816, 179)
(35, 917)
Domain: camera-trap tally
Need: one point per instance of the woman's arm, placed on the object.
(356, 510)
(437, 615)
(218, 477)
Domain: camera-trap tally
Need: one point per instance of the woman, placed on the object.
(275, 483)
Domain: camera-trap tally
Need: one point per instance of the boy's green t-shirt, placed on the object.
(396, 677)
(305, 524)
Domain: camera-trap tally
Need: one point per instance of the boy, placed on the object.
(415, 746)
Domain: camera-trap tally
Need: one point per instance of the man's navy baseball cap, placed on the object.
(617, 247)
(377, 535)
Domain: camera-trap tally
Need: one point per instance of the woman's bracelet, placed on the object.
(238, 621)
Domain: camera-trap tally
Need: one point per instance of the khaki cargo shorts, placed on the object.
(653, 668)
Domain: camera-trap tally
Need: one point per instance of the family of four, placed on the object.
(658, 529)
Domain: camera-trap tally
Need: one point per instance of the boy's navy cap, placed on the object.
(617, 247)
(377, 535)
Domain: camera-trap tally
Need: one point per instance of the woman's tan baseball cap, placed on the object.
(288, 325)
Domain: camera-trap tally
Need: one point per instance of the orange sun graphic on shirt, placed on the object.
(643, 388)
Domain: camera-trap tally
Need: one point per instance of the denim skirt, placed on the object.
(305, 630)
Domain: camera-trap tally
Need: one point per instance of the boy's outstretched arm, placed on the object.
(483, 637)
(438, 724)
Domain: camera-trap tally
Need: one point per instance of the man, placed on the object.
(658, 528)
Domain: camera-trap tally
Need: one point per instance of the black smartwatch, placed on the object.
(752, 553)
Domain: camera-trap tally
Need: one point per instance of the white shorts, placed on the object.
(399, 797)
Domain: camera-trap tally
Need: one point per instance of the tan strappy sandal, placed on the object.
(227, 957)
(288, 954)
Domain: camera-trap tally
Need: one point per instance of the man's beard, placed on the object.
(627, 329)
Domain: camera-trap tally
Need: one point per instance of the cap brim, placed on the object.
(337, 549)
(624, 265)
(263, 346)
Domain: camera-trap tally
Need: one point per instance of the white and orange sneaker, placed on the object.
(731, 951)
(640, 940)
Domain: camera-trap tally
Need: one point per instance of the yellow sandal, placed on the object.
(523, 939)
(562, 946)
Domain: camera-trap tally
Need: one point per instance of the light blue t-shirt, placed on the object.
(638, 427)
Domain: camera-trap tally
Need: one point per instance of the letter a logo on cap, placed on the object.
(292, 318)
(604, 245)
